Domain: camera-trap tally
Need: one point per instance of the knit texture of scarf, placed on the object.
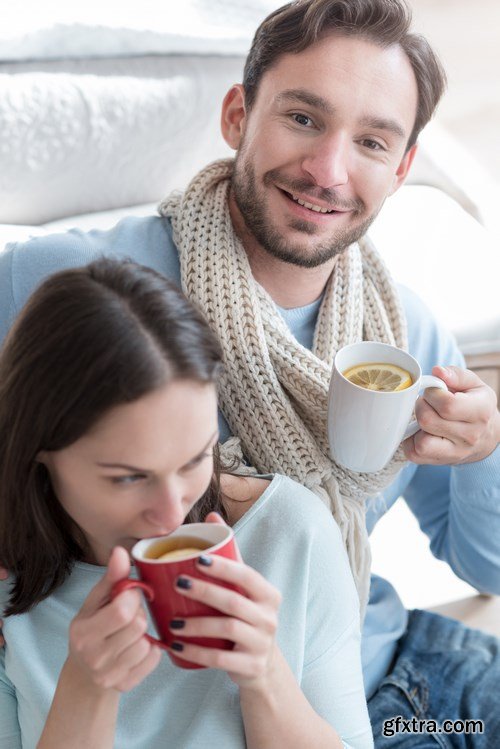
(273, 391)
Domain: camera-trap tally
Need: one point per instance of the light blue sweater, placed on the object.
(291, 538)
(458, 507)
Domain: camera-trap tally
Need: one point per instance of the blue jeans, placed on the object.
(442, 671)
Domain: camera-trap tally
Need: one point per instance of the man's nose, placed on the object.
(165, 509)
(328, 160)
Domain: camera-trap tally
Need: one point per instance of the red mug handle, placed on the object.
(148, 591)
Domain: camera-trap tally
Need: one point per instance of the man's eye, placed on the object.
(372, 145)
(302, 119)
(130, 479)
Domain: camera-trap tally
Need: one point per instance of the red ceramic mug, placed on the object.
(158, 578)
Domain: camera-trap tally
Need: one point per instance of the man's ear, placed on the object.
(233, 116)
(403, 168)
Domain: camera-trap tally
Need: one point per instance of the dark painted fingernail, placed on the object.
(204, 560)
(184, 583)
(177, 623)
(177, 646)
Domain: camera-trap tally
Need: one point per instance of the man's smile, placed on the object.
(312, 210)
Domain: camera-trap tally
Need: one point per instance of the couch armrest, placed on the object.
(478, 612)
(487, 366)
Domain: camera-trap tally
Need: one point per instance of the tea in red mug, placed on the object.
(160, 561)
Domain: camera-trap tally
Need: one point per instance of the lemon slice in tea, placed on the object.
(387, 378)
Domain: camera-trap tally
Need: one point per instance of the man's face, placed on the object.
(327, 132)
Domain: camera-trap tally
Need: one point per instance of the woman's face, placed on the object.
(138, 471)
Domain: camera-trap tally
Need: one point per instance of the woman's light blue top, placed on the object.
(292, 539)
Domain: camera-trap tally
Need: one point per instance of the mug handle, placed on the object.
(427, 381)
(127, 584)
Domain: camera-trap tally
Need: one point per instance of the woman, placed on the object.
(108, 432)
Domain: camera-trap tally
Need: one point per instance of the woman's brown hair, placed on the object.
(87, 340)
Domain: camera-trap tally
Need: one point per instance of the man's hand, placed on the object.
(459, 426)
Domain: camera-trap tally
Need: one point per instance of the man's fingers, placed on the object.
(473, 407)
(457, 379)
(425, 449)
(431, 420)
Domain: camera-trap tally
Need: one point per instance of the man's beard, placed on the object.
(251, 203)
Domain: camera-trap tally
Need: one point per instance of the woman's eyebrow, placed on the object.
(136, 469)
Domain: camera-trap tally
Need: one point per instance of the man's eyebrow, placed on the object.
(136, 469)
(305, 97)
(382, 123)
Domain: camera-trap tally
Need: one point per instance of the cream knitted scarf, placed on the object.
(274, 391)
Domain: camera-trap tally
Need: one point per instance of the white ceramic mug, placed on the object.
(365, 427)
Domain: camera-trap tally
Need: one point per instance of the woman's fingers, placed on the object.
(238, 664)
(223, 599)
(214, 517)
(254, 585)
(121, 667)
(220, 627)
(143, 669)
(111, 618)
(250, 623)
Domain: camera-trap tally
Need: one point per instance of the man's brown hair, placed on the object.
(297, 25)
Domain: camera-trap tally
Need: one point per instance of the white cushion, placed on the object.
(102, 220)
(433, 246)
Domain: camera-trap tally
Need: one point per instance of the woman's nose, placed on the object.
(165, 510)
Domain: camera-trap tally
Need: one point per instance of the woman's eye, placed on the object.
(131, 479)
(301, 119)
(196, 461)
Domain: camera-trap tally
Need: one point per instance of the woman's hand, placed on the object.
(251, 622)
(106, 639)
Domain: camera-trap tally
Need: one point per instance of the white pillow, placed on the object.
(113, 28)
(78, 143)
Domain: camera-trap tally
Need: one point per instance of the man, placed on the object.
(274, 250)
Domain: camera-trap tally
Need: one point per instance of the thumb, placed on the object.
(214, 517)
(118, 568)
(457, 379)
